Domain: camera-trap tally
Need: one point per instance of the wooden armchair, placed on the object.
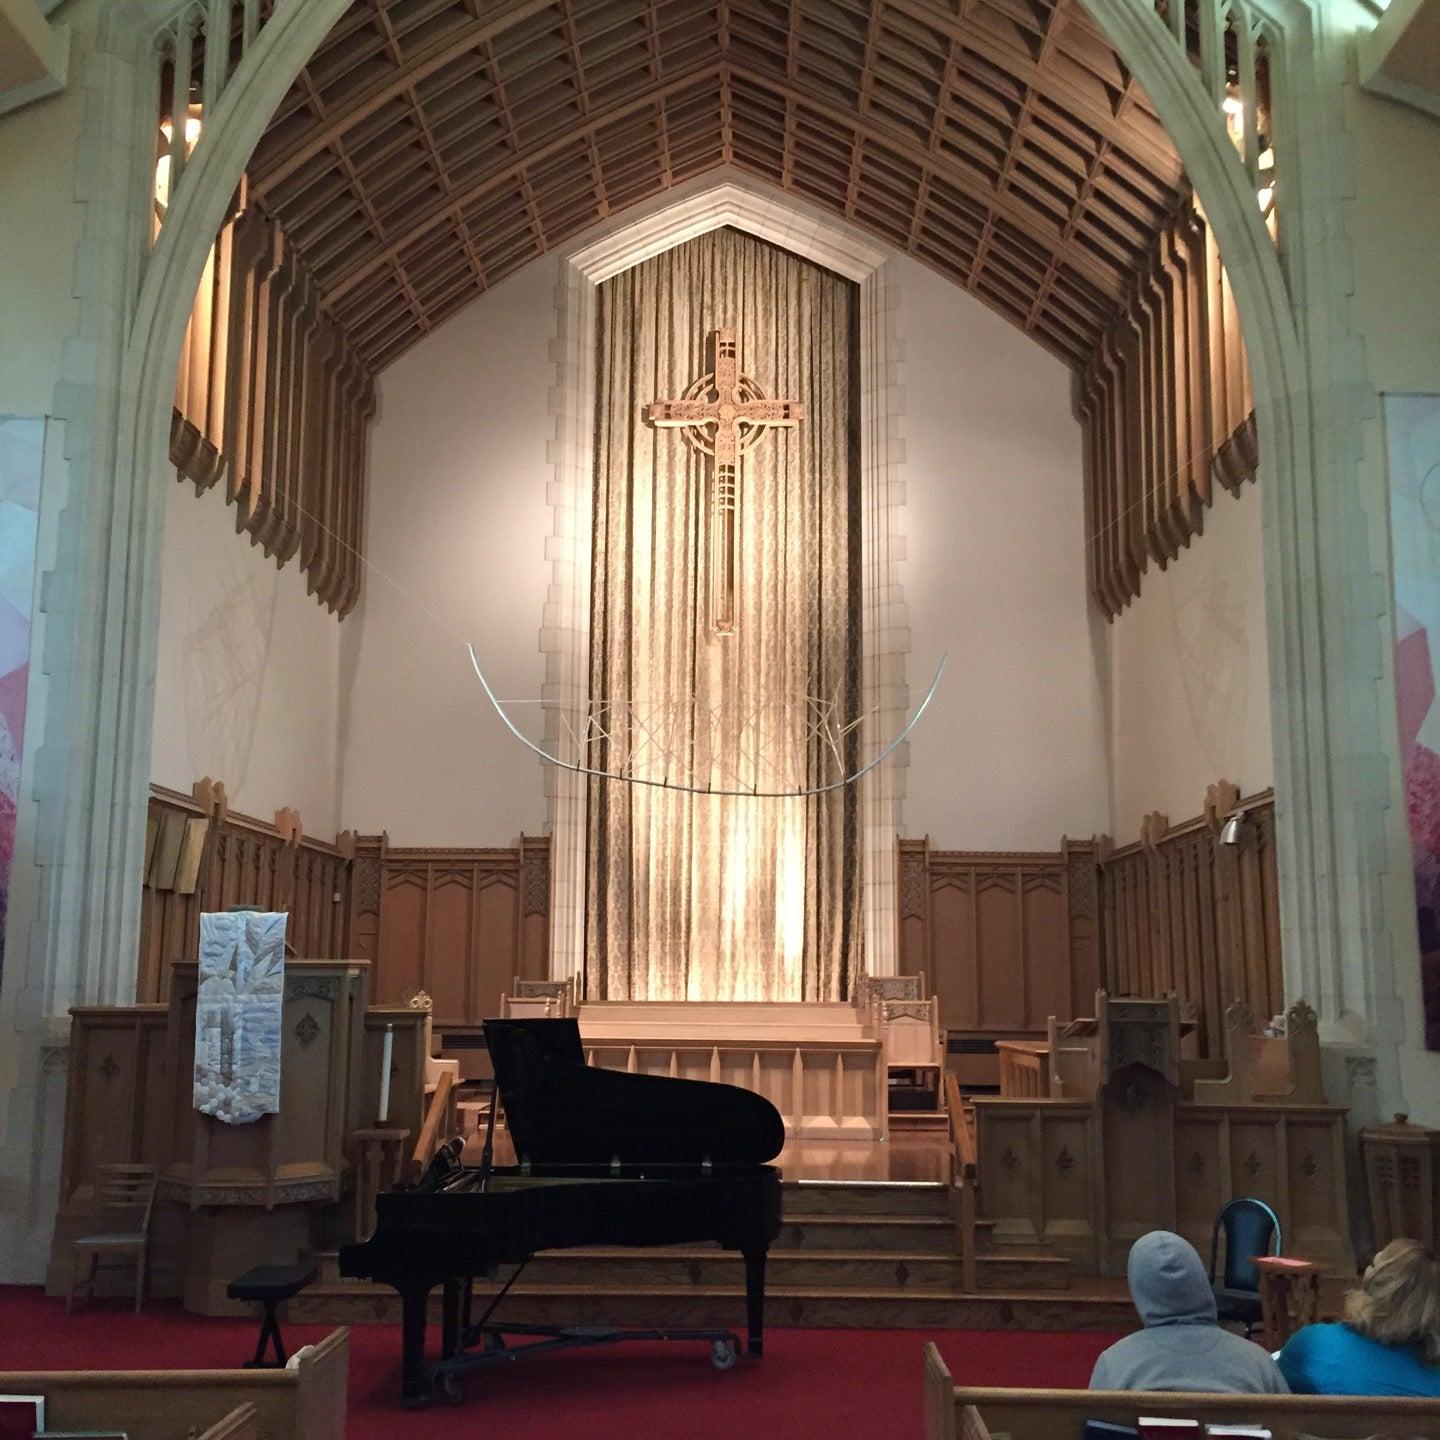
(124, 1200)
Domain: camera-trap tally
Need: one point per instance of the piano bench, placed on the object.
(267, 1286)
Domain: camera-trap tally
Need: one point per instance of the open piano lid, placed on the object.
(562, 1111)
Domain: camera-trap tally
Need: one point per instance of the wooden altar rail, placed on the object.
(304, 1403)
(963, 1412)
(821, 1088)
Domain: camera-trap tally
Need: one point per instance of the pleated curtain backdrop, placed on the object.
(704, 897)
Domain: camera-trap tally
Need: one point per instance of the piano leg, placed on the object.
(755, 1300)
(414, 1302)
(452, 1312)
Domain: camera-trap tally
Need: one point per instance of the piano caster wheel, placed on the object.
(449, 1389)
(723, 1353)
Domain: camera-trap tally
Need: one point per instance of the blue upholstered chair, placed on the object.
(1251, 1228)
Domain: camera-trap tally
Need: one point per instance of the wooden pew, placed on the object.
(303, 1403)
(242, 1423)
(962, 1412)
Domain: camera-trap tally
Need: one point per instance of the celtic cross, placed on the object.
(724, 414)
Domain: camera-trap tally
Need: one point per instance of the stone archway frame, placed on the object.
(1331, 740)
(100, 604)
(727, 197)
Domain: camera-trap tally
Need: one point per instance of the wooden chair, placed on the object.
(123, 1193)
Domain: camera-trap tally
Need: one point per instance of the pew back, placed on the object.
(304, 1403)
(978, 1413)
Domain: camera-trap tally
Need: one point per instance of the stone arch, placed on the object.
(101, 833)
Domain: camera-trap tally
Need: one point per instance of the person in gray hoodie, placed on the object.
(1182, 1347)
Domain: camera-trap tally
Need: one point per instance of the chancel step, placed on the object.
(1030, 1308)
(865, 1197)
(930, 1234)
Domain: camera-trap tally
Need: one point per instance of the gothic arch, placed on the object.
(117, 407)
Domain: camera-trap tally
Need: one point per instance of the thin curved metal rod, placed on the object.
(579, 769)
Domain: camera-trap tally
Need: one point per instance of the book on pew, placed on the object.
(1168, 1427)
(1109, 1430)
(1240, 1432)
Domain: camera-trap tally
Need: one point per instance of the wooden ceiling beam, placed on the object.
(883, 134)
(423, 63)
(432, 215)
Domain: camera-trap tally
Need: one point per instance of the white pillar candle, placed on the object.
(385, 1057)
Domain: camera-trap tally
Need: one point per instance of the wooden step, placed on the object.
(919, 1121)
(888, 1266)
(709, 1267)
(876, 1307)
(913, 1234)
(865, 1197)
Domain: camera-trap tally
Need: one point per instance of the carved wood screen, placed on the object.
(199, 856)
(1165, 408)
(1005, 939)
(458, 924)
(272, 394)
(1187, 913)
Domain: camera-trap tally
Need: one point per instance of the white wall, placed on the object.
(457, 520)
(1011, 754)
(1190, 677)
(248, 672)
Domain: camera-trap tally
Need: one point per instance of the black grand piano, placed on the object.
(606, 1158)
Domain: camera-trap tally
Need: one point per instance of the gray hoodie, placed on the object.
(1181, 1347)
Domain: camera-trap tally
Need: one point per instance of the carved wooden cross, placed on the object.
(723, 414)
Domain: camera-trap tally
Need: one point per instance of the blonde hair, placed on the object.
(1398, 1302)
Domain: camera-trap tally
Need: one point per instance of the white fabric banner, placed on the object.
(237, 1015)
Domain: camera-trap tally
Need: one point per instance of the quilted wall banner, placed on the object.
(237, 1015)
(1412, 435)
(22, 446)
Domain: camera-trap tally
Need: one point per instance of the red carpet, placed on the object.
(812, 1384)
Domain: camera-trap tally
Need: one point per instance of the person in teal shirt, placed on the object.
(1389, 1341)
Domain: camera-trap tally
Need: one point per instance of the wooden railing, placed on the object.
(1024, 1069)
(439, 1126)
(964, 1179)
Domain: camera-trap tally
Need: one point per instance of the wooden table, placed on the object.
(1289, 1295)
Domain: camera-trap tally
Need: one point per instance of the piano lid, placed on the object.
(562, 1111)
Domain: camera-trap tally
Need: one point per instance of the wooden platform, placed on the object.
(868, 1241)
(817, 1063)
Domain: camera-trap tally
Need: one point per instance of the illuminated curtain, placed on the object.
(698, 896)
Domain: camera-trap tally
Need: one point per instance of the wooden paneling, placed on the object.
(1006, 939)
(200, 856)
(1009, 939)
(1165, 408)
(458, 924)
(1184, 912)
(1052, 1174)
(271, 394)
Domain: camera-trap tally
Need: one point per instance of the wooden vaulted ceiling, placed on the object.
(432, 147)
